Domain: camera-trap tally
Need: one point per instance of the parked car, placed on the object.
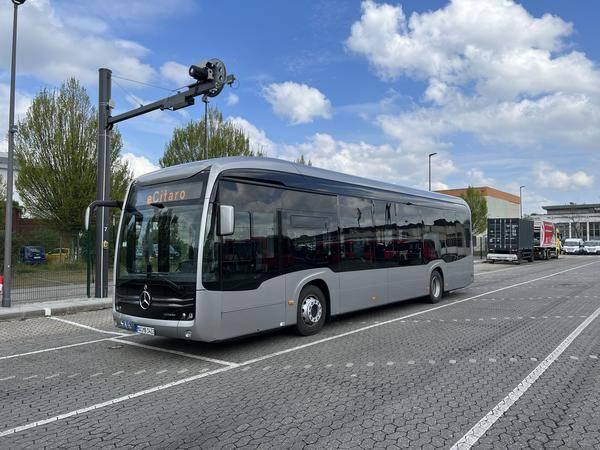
(573, 246)
(58, 255)
(591, 247)
(31, 254)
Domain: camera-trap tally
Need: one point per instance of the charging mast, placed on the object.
(210, 75)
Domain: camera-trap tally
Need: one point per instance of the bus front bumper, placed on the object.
(182, 329)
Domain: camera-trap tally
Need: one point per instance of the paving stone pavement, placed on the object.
(390, 381)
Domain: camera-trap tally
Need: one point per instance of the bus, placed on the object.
(212, 250)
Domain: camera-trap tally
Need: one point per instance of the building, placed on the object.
(499, 203)
(575, 221)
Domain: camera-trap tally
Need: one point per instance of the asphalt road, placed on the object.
(511, 361)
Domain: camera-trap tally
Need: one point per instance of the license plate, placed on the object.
(144, 330)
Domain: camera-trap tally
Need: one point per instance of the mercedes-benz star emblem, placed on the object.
(145, 298)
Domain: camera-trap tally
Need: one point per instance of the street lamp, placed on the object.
(9, 168)
(521, 201)
(430, 155)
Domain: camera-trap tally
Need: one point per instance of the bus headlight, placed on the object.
(188, 334)
(190, 316)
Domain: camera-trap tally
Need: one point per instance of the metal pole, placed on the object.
(103, 184)
(429, 173)
(430, 155)
(521, 201)
(6, 300)
(205, 100)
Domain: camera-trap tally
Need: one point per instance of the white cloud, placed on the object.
(53, 47)
(476, 177)
(492, 69)
(139, 164)
(296, 102)
(22, 103)
(258, 138)
(380, 162)
(176, 73)
(548, 176)
(232, 99)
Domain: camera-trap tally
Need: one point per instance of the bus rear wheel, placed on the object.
(312, 311)
(436, 287)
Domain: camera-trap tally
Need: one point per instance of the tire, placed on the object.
(311, 311)
(436, 287)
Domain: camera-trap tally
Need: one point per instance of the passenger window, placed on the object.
(358, 233)
(309, 240)
(251, 254)
(409, 235)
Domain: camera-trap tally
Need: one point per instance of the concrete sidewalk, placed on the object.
(67, 306)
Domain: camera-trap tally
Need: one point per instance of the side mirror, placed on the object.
(226, 220)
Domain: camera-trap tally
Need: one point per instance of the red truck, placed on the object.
(546, 243)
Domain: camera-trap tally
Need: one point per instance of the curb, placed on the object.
(47, 309)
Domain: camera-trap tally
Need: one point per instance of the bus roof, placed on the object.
(243, 162)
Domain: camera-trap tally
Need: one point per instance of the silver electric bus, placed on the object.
(216, 249)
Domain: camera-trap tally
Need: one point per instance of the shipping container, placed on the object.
(510, 239)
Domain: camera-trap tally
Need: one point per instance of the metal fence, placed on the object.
(38, 284)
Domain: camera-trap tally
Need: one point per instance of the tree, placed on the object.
(57, 157)
(188, 142)
(479, 209)
(301, 160)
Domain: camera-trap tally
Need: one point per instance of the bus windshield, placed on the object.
(160, 233)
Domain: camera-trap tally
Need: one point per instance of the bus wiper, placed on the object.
(170, 282)
(157, 205)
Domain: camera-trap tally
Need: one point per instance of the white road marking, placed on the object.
(111, 402)
(118, 373)
(161, 371)
(182, 371)
(308, 366)
(35, 352)
(12, 376)
(390, 363)
(176, 352)
(139, 372)
(480, 428)
(260, 358)
(87, 327)
(30, 377)
(49, 377)
(370, 364)
(73, 375)
(94, 375)
(593, 357)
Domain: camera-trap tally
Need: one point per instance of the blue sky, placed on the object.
(508, 94)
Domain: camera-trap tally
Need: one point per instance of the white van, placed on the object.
(591, 247)
(573, 246)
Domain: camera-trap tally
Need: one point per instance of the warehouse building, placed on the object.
(499, 203)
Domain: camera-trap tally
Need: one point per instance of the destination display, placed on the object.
(168, 193)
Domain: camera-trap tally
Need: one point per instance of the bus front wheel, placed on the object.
(312, 311)
(436, 287)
